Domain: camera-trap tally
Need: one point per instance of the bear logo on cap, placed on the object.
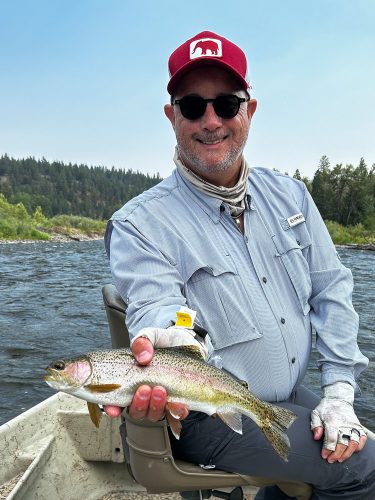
(206, 47)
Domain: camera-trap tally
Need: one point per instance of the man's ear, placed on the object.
(251, 107)
(169, 113)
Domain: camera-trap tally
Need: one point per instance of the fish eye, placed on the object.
(58, 365)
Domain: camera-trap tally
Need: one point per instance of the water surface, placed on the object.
(51, 306)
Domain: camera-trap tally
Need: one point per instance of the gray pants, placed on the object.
(208, 441)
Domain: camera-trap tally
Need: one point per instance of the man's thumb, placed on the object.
(143, 350)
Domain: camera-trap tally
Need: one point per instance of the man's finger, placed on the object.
(178, 411)
(350, 449)
(112, 411)
(143, 350)
(318, 433)
(139, 406)
(361, 444)
(158, 400)
(333, 456)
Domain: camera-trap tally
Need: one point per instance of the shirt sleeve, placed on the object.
(332, 313)
(145, 278)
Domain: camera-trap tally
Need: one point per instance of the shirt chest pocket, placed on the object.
(216, 292)
(292, 245)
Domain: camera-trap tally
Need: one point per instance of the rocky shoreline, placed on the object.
(358, 246)
(65, 238)
(57, 238)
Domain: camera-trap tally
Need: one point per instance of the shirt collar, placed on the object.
(210, 205)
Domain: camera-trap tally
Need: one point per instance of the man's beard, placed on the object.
(194, 162)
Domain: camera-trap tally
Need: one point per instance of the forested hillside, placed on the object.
(60, 188)
(343, 194)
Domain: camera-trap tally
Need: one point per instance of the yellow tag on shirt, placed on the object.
(185, 318)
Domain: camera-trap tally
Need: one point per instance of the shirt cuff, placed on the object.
(332, 375)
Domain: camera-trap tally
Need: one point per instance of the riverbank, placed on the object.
(61, 238)
(56, 238)
(66, 238)
(18, 226)
(357, 246)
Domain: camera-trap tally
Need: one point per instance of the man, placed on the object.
(249, 255)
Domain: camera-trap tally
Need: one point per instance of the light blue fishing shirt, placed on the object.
(258, 294)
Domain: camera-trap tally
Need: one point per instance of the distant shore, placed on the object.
(63, 238)
(56, 238)
(358, 246)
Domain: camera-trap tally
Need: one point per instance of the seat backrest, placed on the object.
(115, 309)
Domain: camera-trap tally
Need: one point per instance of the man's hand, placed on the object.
(335, 420)
(148, 402)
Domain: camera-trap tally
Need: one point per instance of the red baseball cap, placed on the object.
(207, 49)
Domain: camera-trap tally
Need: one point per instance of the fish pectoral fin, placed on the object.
(102, 387)
(95, 413)
(231, 417)
(174, 423)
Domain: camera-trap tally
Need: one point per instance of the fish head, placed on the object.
(69, 375)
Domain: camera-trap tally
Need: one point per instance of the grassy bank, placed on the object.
(350, 235)
(17, 224)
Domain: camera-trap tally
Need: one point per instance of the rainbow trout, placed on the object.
(111, 378)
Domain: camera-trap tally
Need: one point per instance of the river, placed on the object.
(51, 306)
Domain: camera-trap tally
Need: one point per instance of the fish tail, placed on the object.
(275, 427)
(274, 422)
(275, 432)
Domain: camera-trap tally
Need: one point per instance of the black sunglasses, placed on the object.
(194, 106)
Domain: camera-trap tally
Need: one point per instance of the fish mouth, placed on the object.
(57, 382)
(51, 374)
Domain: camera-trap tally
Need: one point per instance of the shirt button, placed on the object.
(264, 279)
(293, 360)
(222, 208)
(282, 320)
(246, 239)
(298, 242)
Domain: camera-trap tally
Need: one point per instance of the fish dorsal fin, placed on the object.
(231, 417)
(95, 413)
(188, 350)
(102, 387)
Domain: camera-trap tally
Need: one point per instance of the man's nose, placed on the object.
(210, 119)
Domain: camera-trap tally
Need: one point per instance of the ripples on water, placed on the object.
(51, 306)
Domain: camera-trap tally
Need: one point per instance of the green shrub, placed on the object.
(17, 224)
(357, 234)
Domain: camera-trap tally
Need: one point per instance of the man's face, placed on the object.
(211, 146)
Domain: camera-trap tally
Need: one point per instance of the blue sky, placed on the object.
(84, 81)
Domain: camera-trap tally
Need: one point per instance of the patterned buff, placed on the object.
(234, 196)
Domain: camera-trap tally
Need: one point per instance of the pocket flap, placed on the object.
(226, 339)
(197, 270)
(291, 238)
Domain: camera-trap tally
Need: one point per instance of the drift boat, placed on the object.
(53, 451)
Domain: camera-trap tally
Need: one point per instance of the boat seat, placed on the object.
(148, 451)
